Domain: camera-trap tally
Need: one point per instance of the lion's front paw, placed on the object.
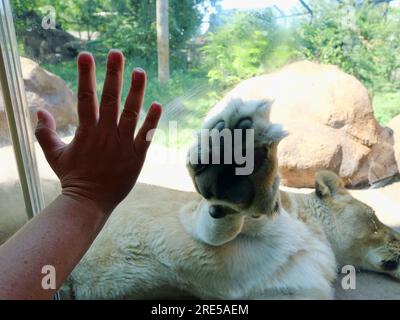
(234, 160)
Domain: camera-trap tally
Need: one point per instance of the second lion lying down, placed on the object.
(240, 237)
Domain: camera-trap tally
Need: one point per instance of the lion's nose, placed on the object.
(390, 265)
(216, 212)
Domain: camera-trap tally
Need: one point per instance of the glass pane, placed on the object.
(337, 116)
(50, 36)
(12, 206)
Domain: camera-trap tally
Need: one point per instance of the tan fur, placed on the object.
(171, 245)
(355, 233)
(375, 240)
(164, 243)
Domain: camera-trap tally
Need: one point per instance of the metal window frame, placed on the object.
(17, 113)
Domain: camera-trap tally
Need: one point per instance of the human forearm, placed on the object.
(58, 237)
(97, 170)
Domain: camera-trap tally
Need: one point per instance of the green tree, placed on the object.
(28, 15)
(361, 38)
(131, 26)
(84, 16)
(246, 44)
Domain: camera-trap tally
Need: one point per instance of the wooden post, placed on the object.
(162, 40)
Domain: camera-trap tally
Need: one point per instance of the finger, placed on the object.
(46, 134)
(146, 132)
(133, 104)
(111, 90)
(87, 97)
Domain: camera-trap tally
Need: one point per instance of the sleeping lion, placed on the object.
(239, 237)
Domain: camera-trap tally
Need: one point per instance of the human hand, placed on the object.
(104, 159)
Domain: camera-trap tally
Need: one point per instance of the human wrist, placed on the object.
(88, 203)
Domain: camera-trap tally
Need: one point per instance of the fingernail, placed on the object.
(138, 73)
(39, 115)
(115, 55)
(85, 57)
(138, 69)
(156, 106)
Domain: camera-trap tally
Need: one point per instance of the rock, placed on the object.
(394, 124)
(44, 90)
(330, 121)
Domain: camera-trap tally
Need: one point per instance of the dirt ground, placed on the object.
(166, 167)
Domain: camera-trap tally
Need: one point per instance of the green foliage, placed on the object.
(83, 15)
(386, 106)
(190, 88)
(361, 39)
(131, 26)
(28, 14)
(238, 48)
(247, 44)
(358, 36)
(25, 14)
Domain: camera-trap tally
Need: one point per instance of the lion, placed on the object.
(239, 236)
(355, 234)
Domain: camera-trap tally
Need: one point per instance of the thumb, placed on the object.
(46, 133)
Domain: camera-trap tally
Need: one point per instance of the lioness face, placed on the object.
(253, 192)
(357, 236)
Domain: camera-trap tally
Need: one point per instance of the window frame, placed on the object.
(17, 113)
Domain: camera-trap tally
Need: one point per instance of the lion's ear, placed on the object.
(327, 183)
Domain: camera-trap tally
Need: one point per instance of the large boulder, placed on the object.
(47, 91)
(330, 121)
(394, 124)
